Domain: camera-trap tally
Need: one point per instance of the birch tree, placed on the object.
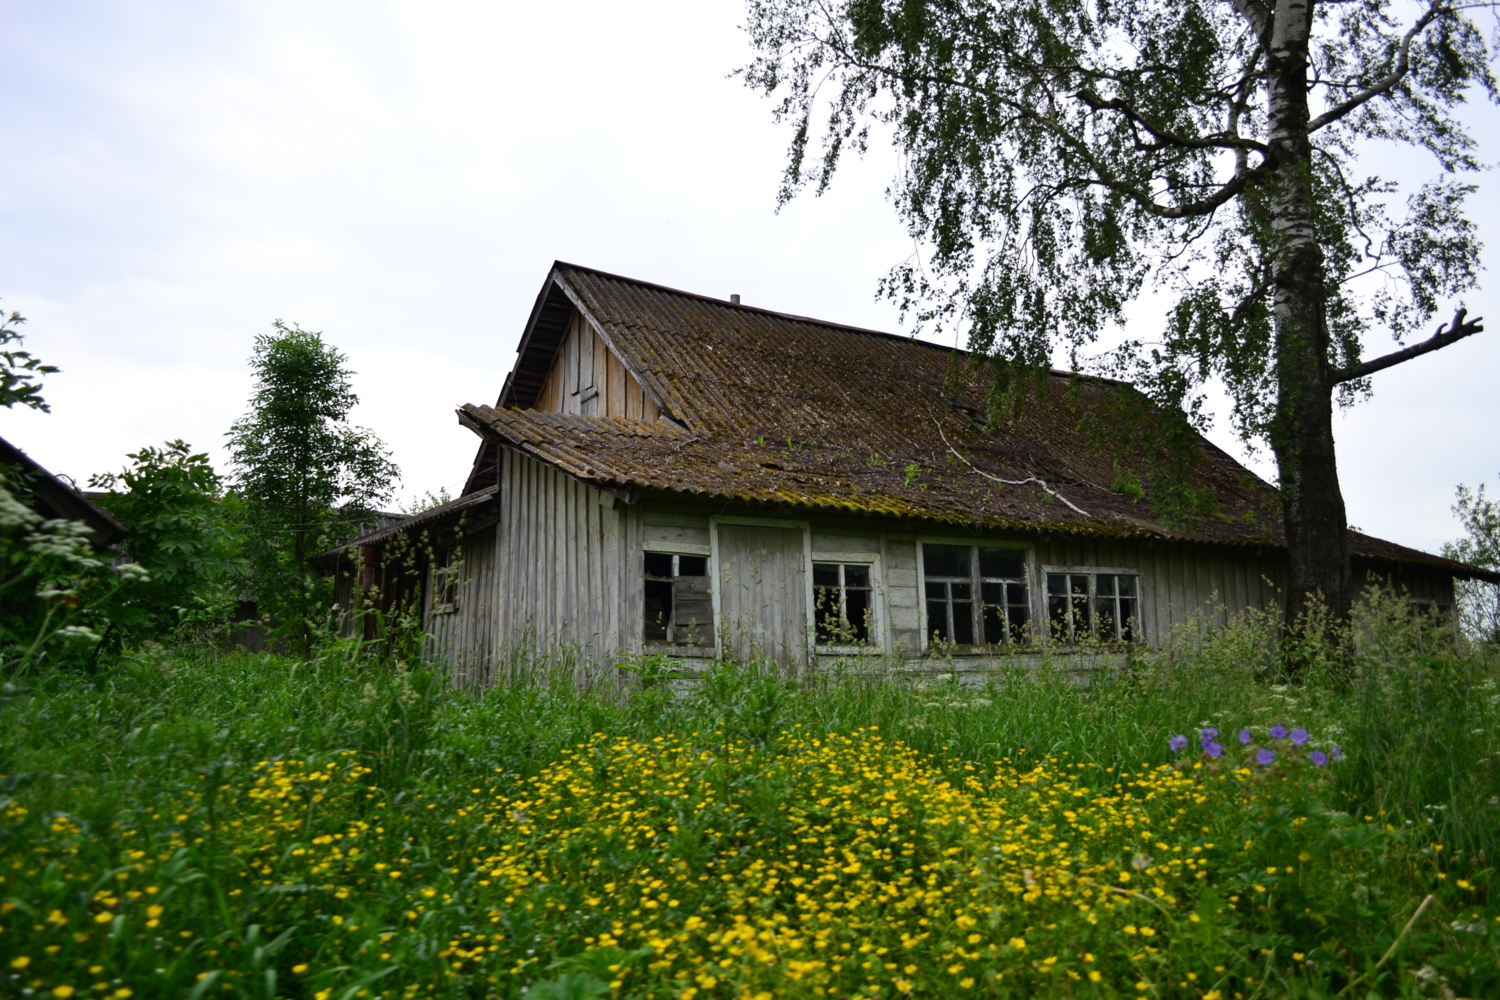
(1058, 158)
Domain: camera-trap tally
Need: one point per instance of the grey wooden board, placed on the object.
(665, 537)
(763, 594)
(826, 540)
(692, 611)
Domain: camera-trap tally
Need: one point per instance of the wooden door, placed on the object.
(763, 594)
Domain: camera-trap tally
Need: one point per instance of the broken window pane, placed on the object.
(946, 560)
(842, 603)
(658, 610)
(1002, 563)
(678, 606)
(956, 574)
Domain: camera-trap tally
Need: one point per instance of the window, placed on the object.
(1093, 606)
(447, 567)
(841, 595)
(976, 595)
(678, 606)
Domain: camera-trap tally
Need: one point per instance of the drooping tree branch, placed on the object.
(1450, 334)
(1166, 136)
(994, 478)
(1385, 84)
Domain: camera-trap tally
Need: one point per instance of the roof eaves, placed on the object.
(65, 501)
(430, 518)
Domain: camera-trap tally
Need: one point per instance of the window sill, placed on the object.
(848, 650)
(650, 648)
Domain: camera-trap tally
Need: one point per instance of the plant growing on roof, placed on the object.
(1057, 160)
(306, 477)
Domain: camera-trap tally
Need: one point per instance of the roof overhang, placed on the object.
(469, 513)
(57, 500)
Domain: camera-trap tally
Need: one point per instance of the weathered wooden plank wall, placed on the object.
(558, 580)
(587, 378)
(464, 637)
(1179, 580)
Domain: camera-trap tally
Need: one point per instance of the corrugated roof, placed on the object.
(787, 410)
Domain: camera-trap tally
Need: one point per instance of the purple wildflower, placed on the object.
(1318, 757)
(1177, 742)
(1245, 736)
(1299, 736)
(1336, 753)
(1210, 733)
(1278, 732)
(1264, 757)
(1213, 749)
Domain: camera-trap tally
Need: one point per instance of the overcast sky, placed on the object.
(400, 176)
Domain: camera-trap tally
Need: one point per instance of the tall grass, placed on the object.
(1415, 717)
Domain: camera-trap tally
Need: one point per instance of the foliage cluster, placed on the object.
(21, 371)
(306, 478)
(183, 530)
(197, 545)
(1478, 601)
(53, 583)
(321, 827)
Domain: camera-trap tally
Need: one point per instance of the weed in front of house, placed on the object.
(196, 824)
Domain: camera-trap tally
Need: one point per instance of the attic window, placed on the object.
(976, 595)
(678, 606)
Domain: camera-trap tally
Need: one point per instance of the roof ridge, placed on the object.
(798, 318)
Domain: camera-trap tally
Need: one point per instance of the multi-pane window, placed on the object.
(447, 567)
(678, 605)
(975, 595)
(1084, 607)
(842, 598)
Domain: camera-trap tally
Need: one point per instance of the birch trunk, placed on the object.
(1302, 433)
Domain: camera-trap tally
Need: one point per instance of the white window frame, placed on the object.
(1029, 570)
(877, 640)
(1092, 572)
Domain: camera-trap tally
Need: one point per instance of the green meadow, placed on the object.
(193, 822)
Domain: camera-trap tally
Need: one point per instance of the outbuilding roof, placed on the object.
(53, 498)
(783, 410)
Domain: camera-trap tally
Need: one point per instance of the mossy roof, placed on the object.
(784, 410)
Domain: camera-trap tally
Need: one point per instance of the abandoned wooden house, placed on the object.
(668, 472)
